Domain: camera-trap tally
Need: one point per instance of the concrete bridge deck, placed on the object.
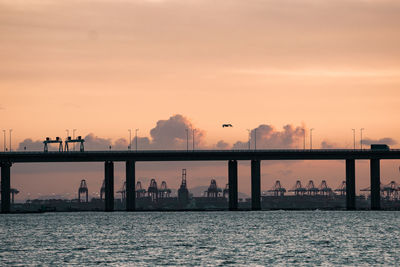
(198, 155)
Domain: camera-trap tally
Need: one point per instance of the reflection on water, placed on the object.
(201, 238)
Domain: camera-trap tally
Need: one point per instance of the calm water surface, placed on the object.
(201, 238)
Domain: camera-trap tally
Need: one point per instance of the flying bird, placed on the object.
(226, 125)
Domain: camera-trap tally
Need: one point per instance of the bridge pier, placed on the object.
(350, 184)
(233, 184)
(109, 185)
(375, 184)
(130, 185)
(255, 185)
(5, 186)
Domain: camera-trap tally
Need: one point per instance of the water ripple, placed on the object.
(201, 238)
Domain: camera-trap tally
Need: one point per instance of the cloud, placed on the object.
(30, 145)
(167, 134)
(385, 140)
(269, 137)
(222, 145)
(93, 142)
(328, 145)
(174, 133)
(143, 143)
(301, 72)
(121, 143)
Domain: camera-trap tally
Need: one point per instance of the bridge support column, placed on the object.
(5, 186)
(255, 185)
(350, 184)
(375, 184)
(130, 185)
(109, 185)
(233, 184)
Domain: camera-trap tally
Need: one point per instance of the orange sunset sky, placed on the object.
(105, 66)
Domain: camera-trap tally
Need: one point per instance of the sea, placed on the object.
(242, 238)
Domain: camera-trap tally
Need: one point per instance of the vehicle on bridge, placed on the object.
(379, 147)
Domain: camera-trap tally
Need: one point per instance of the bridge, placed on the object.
(7, 159)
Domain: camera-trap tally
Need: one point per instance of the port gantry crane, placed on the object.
(277, 189)
(213, 191)
(152, 191)
(164, 191)
(226, 190)
(391, 190)
(140, 192)
(298, 189)
(183, 192)
(311, 189)
(50, 141)
(83, 189)
(77, 140)
(341, 189)
(13, 192)
(122, 191)
(324, 189)
(369, 188)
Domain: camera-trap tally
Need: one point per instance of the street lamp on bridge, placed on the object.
(194, 130)
(5, 148)
(130, 139)
(311, 138)
(187, 139)
(10, 139)
(249, 137)
(361, 143)
(136, 142)
(255, 139)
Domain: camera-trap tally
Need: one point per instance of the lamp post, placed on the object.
(361, 143)
(311, 138)
(130, 139)
(4, 132)
(187, 139)
(304, 139)
(10, 139)
(354, 139)
(249, 137)
(194, 130)
(136, 130)
(255, 139)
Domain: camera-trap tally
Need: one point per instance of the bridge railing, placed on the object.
(198, 151)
